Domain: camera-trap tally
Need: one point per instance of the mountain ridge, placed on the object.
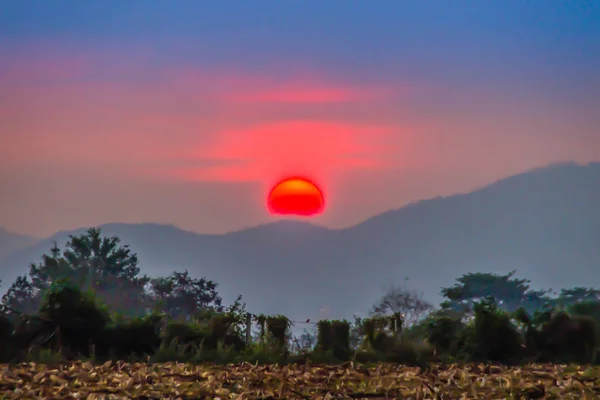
(538, 222)
(542, 169)
(10, 241)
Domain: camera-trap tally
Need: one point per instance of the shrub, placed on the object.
(334, 338)
(341, 336)
(6, 341)
(190, 335)
(443, 333)
(409, 353)
(568, 339)
(491, 336)
(324, 336)
(221, 332)
(136, 337)
(208, 334)
(589, 308)
(78, 316)
(32, 333)
(373, 329)
(277, 327)
(261, 321)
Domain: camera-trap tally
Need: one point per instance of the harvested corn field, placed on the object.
(246, 381)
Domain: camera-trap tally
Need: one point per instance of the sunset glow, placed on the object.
(190, 115)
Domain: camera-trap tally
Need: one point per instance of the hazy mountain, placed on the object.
(544, 223)
(10, 242)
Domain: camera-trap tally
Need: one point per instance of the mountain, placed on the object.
(544, 223)
(10, 242)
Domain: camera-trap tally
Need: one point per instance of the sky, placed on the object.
(187, 112)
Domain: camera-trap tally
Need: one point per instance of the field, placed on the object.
(245, 381)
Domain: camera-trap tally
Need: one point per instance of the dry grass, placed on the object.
(245, 381)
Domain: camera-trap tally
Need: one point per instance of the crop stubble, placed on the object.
(121, 380)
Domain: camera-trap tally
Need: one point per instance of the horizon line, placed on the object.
(551, 165)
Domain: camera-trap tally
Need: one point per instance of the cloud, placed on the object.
(270, 151)
(184, 122)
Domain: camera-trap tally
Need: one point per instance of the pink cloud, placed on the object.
(270, 151)
(79, 109)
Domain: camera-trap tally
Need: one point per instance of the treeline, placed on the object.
(91, 302)
(101, 265)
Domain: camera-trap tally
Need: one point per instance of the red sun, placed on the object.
(296, 196)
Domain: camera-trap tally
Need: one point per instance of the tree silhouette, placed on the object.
(509, 292)
(181, 296)
(20, 296)
(92, 262)
(397, 300)
(568, 297)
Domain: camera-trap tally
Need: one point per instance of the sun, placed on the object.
(296, 196)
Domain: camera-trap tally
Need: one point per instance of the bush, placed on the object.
(277, 328)
(491, 336)
(136, 337)
(189, 335)
(568, 339)
(409, 353)
(324, 335)
(208, 334)
(334, 339)
(443, 333)
(341, 336)
(75, 320)
(373, 329)
(77, 315)
(7, 350)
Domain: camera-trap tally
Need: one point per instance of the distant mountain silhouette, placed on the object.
(543, 223)
(10, 242)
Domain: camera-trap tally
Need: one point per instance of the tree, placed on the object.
(181, 296)
(92, 262)
(21, 296)
(492, 336)
(568, 297)
(397, 300)
(509, 292)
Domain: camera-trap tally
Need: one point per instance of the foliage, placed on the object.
(589, 308)
(334, 338)
(261, 321)
(130, 337)
(188, 334)
(78, 316)
(443, 332)
(91, 262)
(399, 301)
(305, 343)
(568, 338)
(180, 296)
(278, 329)
(92, 302)
(325, 340)
(510, 293)
(69, 307)
(238, 316)
(21, 296)
(572, 296)
(491, 336)
(6, 346)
